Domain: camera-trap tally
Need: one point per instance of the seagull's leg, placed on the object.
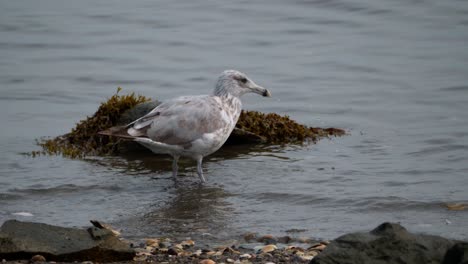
(175, 168)
(199, 169)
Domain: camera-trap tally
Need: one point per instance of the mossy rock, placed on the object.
(252, 127)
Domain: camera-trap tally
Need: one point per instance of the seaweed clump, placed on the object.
(83, 140)
(277, 129)
(252, 127)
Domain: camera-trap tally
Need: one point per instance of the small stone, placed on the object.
(306, 258)
(269, 248)
(251, 246)
(230, 250)
(178, 247)
(140, 258)
(245, 256)
(312, 253)
(267, 239)
(207, 261)
(188, 243)
(87, 262)
(152, 242)
(38, 258)
(149, 248)
(230, 260)
(304, 240)
(318, 247)
(284, 239)
(250, 236)
(197, 253)
(270, 262)
(172, 252)
(164, 244)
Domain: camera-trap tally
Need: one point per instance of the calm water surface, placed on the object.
(393, 73)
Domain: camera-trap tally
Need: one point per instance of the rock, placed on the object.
(207, 261)
(267, 239)
(101, 225)
(458, 254)
(268, 248)
(187, 243)
(173, 251)
(23, 240)
(248, 237)
(38, 258)
(285, 239)
(318, 247)
(388, 243)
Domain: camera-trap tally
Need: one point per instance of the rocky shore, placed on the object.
(25, 242)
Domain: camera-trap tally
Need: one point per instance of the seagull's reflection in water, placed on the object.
(188, 208)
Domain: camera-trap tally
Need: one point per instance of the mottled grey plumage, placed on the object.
(192, 126)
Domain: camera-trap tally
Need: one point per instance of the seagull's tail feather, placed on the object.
(117, 131)
(158, 147)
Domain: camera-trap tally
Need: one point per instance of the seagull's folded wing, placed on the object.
(182, 120)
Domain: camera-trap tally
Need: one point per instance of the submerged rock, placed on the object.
(252, 127)
(25, 240)
(458, 254)
(388, 243)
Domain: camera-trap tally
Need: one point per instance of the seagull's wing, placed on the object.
(181, 121)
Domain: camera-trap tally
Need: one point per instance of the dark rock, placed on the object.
(136, 112)
(172, 251)
(23, 240)
(388, 243)
(38, 258)
(458, 254)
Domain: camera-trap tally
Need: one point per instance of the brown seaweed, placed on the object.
(252, 127)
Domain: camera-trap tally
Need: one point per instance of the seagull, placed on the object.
(192, 126)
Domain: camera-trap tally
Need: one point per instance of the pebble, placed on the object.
(318, 247)
(230, 250)
(172, 251)
(188, 243)
(306, 258)
(140, 258)
(269, 248)
(284, 239)
(207, 261)
(250, 236)
(38, 258)
(267, 239)
(152, 242)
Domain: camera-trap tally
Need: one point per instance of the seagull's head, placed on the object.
(237, 83)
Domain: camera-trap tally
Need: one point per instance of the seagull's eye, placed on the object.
(243, 80)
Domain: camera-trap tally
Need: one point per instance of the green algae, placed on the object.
(252, 127)
(83, 140)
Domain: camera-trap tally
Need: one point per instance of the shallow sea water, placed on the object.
(393, 73)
